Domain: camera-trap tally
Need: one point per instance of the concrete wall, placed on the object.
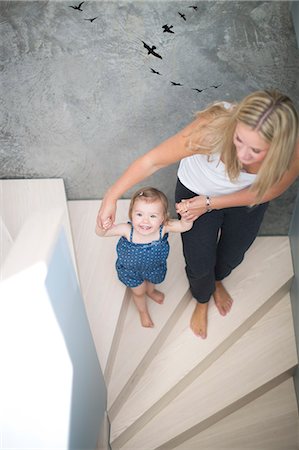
(80, 100)
(53, 394)
(295, 16)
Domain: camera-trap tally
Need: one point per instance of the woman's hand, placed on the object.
(106, 214)
(192, 208)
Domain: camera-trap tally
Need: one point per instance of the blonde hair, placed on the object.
(150, 195)
(269, 112)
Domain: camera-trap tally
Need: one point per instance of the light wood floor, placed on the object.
(169, 389)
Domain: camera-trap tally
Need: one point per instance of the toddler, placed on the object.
(143, 247)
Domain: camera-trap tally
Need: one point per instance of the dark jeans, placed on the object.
(217, 243)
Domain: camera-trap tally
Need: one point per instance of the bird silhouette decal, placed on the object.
(150, 50)
(194, 7)
(167, 29)
(78, 8)
(176, 84)
(216, 86)
(91, 20)
(154, 71)
(198, 90)
(182, 15)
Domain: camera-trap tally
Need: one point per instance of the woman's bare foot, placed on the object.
(157, 296)
(199, 320)
(222, 299)
(145, 319)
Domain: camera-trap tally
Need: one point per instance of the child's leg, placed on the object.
(153, 293)
(140, 302)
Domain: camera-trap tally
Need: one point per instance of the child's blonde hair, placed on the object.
(150, 195)
(269, 112)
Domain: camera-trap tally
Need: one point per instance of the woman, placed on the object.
(234, 159)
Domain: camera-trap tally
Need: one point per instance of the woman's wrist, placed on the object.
(208, 204)
(110, 196)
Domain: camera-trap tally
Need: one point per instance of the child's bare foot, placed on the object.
(222, 299)
(157, 296)
(145, 319)
(199, 320)
(153, 293)
(141, 305)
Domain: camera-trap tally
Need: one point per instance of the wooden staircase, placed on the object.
(168, 389)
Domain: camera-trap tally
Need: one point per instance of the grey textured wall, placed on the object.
(79, 100)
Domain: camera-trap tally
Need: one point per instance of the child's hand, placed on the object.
(192, 208)
(107, 224)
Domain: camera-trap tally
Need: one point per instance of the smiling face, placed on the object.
(250, 146)
(147, 216)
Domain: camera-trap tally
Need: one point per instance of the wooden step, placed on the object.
(268, 423)
(142, 344)
(104, 295)
(255, 288)
(261, 359)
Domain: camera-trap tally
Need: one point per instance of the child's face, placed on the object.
(147, 216)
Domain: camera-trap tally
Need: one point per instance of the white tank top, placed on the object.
(207, 176)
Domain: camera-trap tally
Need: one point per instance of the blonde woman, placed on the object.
(234, 159)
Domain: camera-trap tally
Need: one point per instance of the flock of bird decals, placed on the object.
(151, 49)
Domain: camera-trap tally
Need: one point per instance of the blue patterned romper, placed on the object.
(139, 262)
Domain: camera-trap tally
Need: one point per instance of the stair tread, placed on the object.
(273, 353)
(137, 340)
(268, 423)
(252, 284)
(103, 293)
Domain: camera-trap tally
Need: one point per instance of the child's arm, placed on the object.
(178, 226)
(121, 229)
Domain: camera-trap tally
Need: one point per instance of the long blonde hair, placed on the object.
(269, 112)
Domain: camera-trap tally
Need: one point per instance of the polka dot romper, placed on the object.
(139, 262)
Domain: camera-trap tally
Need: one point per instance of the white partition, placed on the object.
(52, 390)
(19, 199)
(5, 241)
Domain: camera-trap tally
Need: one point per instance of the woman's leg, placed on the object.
(239, 230)
(199, 247)
(141, 305)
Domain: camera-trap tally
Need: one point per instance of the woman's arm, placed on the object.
(167, 153)
(193, 208)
